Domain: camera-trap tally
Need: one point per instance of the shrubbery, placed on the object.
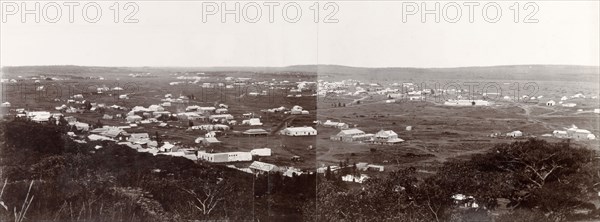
(542, 181)
(74, 182)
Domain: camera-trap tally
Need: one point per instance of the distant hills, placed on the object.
(512, 72)
(509, 72)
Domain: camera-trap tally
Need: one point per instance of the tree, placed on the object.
(62, 121)
(43, 138)
(87, 105)
(381, 199)
(163, 118)
(555, 178)
(207, 197)
(52, 120)
(544, 181)
(158, 139)
(99, 124)
(328, 173)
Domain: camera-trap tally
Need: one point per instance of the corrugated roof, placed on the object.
(300, 129)
(262, 166)
(212, 140)
(352, 131)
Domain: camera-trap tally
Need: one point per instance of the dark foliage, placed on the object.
(75, 182)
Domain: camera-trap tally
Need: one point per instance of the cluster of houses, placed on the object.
(464, 102)
(573, 133)
(228, 157)
(511, 134)
(563, 101)
(358, 178)
(218, 119)
(356, 135)
(362, 166)
(394, 91)
(297, 110)
(563, 104)
(569, 133)
(244, 85)
(414, 92)
(464, 201)
(258, 167)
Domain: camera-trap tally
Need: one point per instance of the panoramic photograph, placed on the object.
(300, 111)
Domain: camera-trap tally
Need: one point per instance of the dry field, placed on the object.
(438, 132)
(443, 132)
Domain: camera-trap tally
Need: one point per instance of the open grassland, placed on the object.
(438, 132)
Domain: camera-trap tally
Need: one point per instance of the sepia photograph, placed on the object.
(307, 110)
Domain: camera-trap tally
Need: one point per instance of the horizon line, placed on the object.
(298, 65)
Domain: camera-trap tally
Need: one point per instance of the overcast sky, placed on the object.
(368, 34)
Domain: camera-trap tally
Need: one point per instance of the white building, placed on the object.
(82, 126)
(225, 157)
(387, 137)
(261, 152)
(156, 108)
(292, 171)
(221, 111)
(351, 135)
(351, 178)
(252, 122)
(560, 134)
(258, 166)
(515, 134)
(221, 117)
(339, 125)
(299, 131)
(580, 134)
(200, 108)
(133, 118)
(138, 137)
(41, 116)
